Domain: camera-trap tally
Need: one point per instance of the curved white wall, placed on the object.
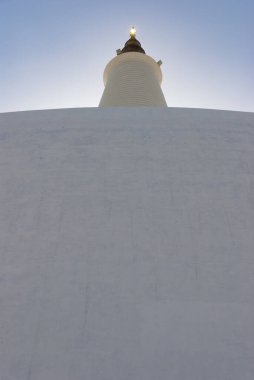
(132, 79)
(126, 244)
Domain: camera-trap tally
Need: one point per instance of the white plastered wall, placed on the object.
(126, 244)
(132, 79)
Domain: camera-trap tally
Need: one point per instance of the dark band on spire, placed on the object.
(133, 45)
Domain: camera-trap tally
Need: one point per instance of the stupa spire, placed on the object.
(132, 78)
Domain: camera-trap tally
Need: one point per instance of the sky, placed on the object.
(53, 52)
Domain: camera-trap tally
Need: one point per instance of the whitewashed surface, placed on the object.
(127, 245)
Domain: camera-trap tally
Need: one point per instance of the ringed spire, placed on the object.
(132, 78)
(132, 45)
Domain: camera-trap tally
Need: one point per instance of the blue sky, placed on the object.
(53, 53)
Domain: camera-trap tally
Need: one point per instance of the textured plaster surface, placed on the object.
(127, 245)
(132, 79)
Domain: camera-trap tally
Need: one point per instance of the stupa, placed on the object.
(126, 237)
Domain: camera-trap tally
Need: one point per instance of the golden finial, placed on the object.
(133, 32)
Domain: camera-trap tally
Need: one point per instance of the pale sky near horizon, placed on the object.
(53, 53)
